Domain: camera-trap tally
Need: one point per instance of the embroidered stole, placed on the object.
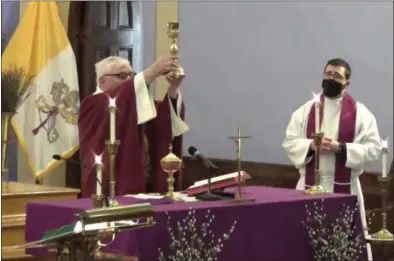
(346, 134)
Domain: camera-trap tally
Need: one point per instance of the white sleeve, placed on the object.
(296, 144)
(178, 126)
(145, 104)
(366, 145)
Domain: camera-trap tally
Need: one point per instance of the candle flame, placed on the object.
(97, 159)
(112, 102)
(384, 143)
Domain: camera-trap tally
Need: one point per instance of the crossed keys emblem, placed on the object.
(65, 104)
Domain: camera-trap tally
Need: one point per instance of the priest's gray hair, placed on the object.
(108, 64)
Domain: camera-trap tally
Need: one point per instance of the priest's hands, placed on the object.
(162, 66)
(329, 145)
(173, 89)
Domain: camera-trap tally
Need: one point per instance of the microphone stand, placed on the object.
(209, 195)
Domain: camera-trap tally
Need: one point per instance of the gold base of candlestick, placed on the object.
(315, 190)
(383, 235)
(98, 201)
(112, 201)
(112, 147)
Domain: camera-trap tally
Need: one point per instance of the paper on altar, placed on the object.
(178, 195)
(184, 197)
(102, 225)
(146, 196)
(216, 179)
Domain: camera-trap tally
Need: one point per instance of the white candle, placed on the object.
(316, 98)
(384, 158)
(112, 116)
(99, 173)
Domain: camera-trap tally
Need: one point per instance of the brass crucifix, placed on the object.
(238, 142)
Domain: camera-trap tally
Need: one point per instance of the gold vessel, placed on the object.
(173, 34)
(171, 164)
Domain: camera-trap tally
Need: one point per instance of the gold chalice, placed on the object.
(171, 164)
(173, 34)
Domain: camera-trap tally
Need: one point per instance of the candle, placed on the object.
(384, 158)
(99, 173)
(112, 116)
(316, 98)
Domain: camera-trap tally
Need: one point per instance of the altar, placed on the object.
(268, 228)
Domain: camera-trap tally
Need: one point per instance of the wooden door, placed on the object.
(97, 30)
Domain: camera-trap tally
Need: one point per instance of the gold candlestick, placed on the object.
(98, 201)
(171, 164)
(384, 234)
(5, 123)
(173, 34)
(112, 147)
(317, 188)
(238, 139)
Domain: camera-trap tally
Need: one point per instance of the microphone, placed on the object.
(209, 195)
(59, 157)
(199, 156)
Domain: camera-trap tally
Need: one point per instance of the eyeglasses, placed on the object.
(334, 75)
(122, 75)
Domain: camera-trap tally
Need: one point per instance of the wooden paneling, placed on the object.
(14, 199)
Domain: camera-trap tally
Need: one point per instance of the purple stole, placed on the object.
(346, 133)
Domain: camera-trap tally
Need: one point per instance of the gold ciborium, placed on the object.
(317, 188)
(171, 164)
(173, 34)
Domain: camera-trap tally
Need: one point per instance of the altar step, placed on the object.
(14, 199)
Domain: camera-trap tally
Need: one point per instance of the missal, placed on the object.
(217, 183)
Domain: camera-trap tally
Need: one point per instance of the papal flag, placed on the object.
(46, 121)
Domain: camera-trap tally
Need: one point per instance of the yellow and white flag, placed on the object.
(46, 122)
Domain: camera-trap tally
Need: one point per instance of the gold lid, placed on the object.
(171, 162)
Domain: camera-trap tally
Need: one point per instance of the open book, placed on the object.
(219, 182)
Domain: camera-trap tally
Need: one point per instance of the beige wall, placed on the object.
(165, 11)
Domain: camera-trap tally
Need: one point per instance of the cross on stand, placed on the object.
(238, 142)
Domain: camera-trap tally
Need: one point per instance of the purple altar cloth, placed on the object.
(268, 229)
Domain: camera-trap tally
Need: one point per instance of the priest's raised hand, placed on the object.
(144, 127)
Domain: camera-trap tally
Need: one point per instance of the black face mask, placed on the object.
(331, 88)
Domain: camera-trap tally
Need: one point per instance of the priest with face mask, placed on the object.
(144, 127)
(351, 137)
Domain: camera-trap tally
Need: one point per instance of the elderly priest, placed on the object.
(145, 128)
(351, 137)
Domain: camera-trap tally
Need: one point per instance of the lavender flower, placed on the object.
(189, 243)
(337, 241)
